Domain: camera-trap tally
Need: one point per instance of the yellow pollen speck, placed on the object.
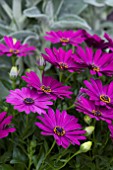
(45, 88)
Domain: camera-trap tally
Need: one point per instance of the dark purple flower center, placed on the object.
(46, 88)
(95, 68)
(96, 112)
(63, 66)
(14, 51)
(105, 98)
(64, 40)
(59, 131)
(28, 100)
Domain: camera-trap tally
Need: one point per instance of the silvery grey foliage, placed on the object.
(29, 20)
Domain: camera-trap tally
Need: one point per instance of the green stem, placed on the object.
(49, 150)
(60, 76)
(69, 77)
(48, 153)
(30, 163)
(13, 58)
(70, 107)
(76, 153)
(13, 84)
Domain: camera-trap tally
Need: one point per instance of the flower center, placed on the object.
(59, 131)
(105, 98)
(96, 112)
(95, 68)
(28, 100)
(64, 40)
(14, 51)
(46, 88)
(63, 65)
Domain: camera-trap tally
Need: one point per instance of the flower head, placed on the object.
(61, 59)
(48, 86)
(100, 94)
(5, 126)
(65, 37)
(15, 48)
(65, 128)
(94, 40)
(98, 62)
(97, 112)
(28, 100)
(110, 41)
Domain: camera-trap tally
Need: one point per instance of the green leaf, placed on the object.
(109, 2)
(72, 7)
(48, 9)
(95, 3)
(34, 12)
(6, 8)
(6, 167)
(4, 29)
(30, 3)
(17, 7)
(5, 157)
(57, 6)
(3, 91)
(21, 35)
(70, 22)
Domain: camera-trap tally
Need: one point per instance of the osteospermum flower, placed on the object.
(65, 37)
(5, 126)
(61, 59)
(94, 40)
(97, 62)
(98, 93)
(48, 86)
(15, 48)
(65, 128)
(27, 100)
(89, 108)
(109, 42)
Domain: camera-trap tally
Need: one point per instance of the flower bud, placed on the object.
(86, 146)
(41, 63)
(13, 72)
(87, 119)
(89, 130)
(14, 40)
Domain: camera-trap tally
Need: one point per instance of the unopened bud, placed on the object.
(89, 130)
(13, 72)
(41, 62)
(86, 146)
(14, 40)
(87, 119)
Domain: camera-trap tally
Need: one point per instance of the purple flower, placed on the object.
(94, 40)
(48, 86)
(98, 62)
(61, 59)
(97, 112)
(27, 100)
(65, 128)
(100, 94)
(109, 44)
(15, 48)
(5, 126)
(65, 37)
